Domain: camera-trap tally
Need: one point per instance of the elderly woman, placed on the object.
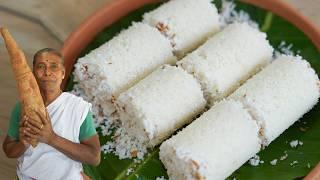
(67, 137)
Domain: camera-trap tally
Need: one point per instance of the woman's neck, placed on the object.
(50, 96)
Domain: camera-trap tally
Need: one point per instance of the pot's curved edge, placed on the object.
(314, 173)
(286, 11)
(94, 24)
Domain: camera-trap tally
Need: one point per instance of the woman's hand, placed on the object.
(42, 132)
(14, 148)
(87, 151)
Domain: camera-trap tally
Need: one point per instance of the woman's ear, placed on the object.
(64, 72)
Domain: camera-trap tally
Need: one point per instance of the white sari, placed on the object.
(67, 113)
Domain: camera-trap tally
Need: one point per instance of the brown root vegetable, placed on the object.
(28, 89)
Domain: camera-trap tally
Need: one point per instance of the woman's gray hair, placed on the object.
(47, 50)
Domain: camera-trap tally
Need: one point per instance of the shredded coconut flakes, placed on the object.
(295, 143)
(274, 162)
(161, 178)
(255, 161)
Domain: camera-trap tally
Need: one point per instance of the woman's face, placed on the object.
(49, 71)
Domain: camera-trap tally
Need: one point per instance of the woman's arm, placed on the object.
(87, 151)
(14, 148)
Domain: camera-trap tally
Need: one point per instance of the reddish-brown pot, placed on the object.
(112, 12)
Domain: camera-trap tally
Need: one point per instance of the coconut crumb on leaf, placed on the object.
(274, 162)
(255, 161)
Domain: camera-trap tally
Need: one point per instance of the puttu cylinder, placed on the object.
(186, 23)
(161, 103)
(214, 145)
(228, 59)
(117, 65)
(280, 94)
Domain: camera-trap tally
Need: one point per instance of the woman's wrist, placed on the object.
(53, 139)
(23, 145)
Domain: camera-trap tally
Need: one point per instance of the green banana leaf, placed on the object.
(306, 130)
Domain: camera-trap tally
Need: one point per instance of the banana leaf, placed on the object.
(296, 163)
